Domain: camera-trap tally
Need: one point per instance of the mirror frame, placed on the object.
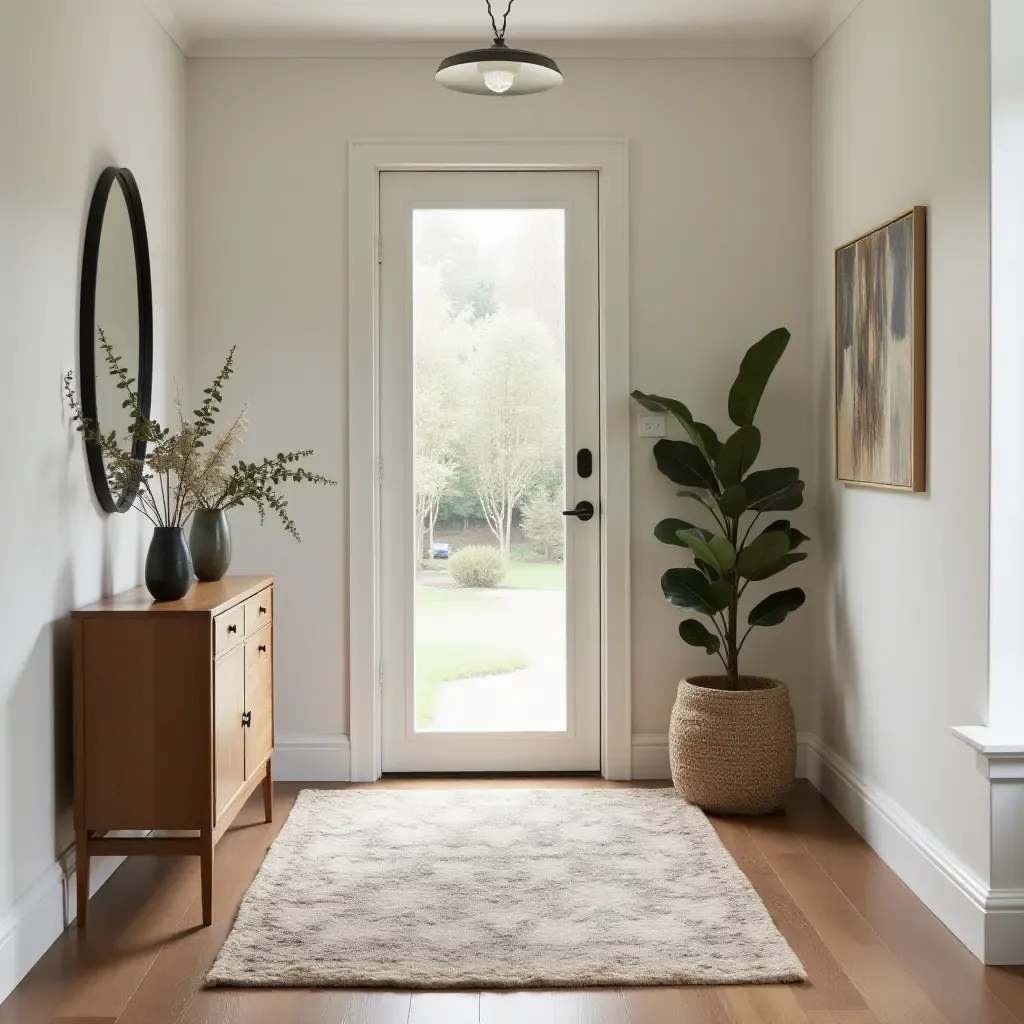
(87, 340)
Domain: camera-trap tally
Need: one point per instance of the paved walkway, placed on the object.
(530, 700)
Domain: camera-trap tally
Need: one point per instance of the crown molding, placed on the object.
(692, 48)
(170, 21)
(830, 22)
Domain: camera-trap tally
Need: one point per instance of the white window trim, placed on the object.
(367, 158)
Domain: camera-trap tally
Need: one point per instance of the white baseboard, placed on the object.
(650, 756)
(37, 918)
(312, 759)
(989, 922)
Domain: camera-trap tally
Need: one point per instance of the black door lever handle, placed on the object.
(583, 511)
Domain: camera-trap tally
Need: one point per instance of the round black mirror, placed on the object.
(116, 303)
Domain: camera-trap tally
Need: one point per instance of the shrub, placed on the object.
(477, 566)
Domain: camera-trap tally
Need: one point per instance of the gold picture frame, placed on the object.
(881, 312)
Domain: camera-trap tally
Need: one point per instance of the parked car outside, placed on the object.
(440, 549)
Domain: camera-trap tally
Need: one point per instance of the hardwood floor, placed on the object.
(874, 953)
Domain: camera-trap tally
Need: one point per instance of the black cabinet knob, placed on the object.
(262, 648)
(247, 719)
(232, 629)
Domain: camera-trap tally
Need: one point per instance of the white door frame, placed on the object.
(367, 158)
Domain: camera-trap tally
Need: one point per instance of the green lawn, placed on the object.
(464, 634)
(535, 576)
(455, 639)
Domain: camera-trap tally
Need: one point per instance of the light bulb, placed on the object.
(499, 75)
(499, 81)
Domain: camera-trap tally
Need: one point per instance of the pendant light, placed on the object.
(498, 70)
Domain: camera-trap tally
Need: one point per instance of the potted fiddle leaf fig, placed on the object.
(732, 741)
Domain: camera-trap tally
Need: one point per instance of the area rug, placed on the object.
(428, 889)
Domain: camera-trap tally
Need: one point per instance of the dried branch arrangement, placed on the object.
(191, 467)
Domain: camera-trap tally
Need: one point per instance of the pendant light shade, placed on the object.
(499, 70)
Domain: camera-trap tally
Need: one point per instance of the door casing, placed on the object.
(367, 158)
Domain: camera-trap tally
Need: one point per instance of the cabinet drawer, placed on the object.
(228, 629)
(259, 704)
(259, 647)
(259, 610)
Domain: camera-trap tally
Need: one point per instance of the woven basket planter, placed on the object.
(733, 751)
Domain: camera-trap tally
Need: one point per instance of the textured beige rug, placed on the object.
(423, 889)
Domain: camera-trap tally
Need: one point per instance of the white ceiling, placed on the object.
(797, 25)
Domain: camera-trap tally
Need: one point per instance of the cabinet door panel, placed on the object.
(259, 702)
(229, 706)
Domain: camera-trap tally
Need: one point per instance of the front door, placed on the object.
(490, 396)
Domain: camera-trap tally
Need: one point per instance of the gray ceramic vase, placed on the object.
(168, 566)
(210, 541)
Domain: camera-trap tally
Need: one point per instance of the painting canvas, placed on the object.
(880, 356)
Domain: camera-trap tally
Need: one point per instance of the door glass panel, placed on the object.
(489, 468)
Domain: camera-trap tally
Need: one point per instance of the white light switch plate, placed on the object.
(650, 424)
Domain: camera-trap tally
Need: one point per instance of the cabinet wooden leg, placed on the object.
(206, 873)
(82, 873)
(268, 792)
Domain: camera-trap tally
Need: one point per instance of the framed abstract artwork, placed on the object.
(881, 381)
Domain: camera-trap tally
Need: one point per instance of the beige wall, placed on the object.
(81, 86)
(720, 236)
(901, 117)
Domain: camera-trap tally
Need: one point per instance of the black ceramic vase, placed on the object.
(210, 541)
(168, 565)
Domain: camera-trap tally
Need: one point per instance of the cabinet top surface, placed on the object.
(208, 598)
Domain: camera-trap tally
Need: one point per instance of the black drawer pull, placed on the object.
(232, 629)
(247, 719)
(263, 611)
(262, 648)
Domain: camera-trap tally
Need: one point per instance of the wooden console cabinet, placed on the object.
(174, 720)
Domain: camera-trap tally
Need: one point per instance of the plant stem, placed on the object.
(732, 647)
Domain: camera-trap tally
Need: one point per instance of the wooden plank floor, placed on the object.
(874, 954)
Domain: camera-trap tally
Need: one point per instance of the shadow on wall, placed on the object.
(839, 680)
(38, 783)
(41, 691)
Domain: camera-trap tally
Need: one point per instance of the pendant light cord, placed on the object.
(499, 37)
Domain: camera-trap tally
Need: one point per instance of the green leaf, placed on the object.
(724, 552)
(767, 482)
(796, 538)
(722, 593)
(737, 455)
(788, 500)
(696, 634)
(711, 443)
(709, 571)
(697, 432)
(755, 371)
(697, 543)
(776, 567)
(688, 588)
(683, 463)
(703, 550)
(733, 501)
(762, 552)
(705, 499)
(667, 529)
(773, 610)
